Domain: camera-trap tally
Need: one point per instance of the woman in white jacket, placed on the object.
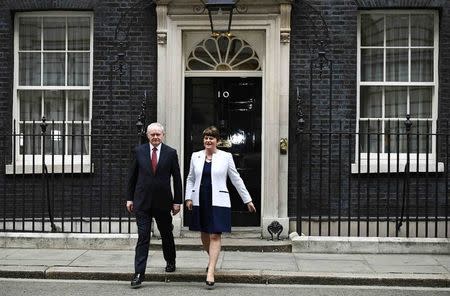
(208, 198)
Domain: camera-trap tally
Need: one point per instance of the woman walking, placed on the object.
(208, 198)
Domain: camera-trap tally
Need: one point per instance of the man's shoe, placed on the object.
(170, 267)
(137, 280)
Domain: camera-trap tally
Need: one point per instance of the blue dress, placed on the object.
(206, 217)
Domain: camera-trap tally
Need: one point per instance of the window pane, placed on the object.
(29, 68)
(30, 105)
(195, 64)
(78, 105)
(369, 140)
(372, 65)
(244, 54)
(30, 33)
(422, 30)
(211, 47)
(54, 139)
(397, 27)
(396, 102)
(54, 105)
(235, 48)
(201, 55)
(422, 64)
(223, 42)
(420, 137)
(396, 64)
(371, 98)
(77, 143)
(54, 33)
(78, 33)
(29, 141)
(249, 65)
(372, 28)
(395, 136)
(54, 64)
(78, 68)
(420, 102)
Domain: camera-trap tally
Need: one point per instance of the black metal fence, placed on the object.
(62, 179)
(389, 179)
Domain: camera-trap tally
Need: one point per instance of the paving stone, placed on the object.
(287, 265)
(398, 259)
(443, 260)
(35, 262)
(339, 257)
(102, 258)
(45, 254)
(5, 252)
(334, 266)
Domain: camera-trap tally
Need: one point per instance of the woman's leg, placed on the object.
(214, 251)
(205, 241)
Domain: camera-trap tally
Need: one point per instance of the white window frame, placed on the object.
(28, 164)
(418, 161)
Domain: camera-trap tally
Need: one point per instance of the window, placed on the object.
(397, 76)
(53, 78)
(223, 54)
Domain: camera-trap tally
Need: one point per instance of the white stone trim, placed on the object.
(87, 168)
(374, 167)
(275, 93)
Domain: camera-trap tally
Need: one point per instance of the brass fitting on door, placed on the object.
(283, 146)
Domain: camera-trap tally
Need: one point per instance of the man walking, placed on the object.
(150, 196)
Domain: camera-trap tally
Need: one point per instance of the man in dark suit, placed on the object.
(150, 196)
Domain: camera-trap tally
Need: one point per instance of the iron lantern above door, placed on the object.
(220, 14)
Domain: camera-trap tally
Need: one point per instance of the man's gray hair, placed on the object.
(155, 125)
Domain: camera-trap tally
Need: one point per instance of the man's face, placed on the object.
(155, 136)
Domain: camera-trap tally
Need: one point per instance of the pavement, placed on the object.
(264, 265)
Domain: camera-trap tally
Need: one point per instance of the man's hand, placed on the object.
(189, 204)
(175, 209)
(130, 206)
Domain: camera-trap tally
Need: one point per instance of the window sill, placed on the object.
(87, 168)
(382, 167)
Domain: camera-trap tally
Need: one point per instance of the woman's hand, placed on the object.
(251, 207)
(189, 204)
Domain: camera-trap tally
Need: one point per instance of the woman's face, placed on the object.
(210, 142)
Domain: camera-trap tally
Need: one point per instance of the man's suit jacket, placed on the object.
(222, 165)
(148, 190)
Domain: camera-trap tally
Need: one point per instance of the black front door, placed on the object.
(233, 104)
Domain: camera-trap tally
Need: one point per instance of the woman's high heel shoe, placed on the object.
(210, 285)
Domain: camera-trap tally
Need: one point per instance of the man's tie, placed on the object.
(154, 160)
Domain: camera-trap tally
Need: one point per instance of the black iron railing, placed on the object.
(65, 180)
(390, 180)
(375, 182)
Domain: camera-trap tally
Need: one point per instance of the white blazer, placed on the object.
(222, 165)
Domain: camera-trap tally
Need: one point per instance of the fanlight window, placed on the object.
(223, 53)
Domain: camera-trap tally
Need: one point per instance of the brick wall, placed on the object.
(115, 111)
(115, 108)
(357, 194)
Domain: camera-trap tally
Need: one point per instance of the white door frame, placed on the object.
(275, 96)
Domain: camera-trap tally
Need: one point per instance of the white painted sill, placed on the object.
(27, 169)
(373, 167)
